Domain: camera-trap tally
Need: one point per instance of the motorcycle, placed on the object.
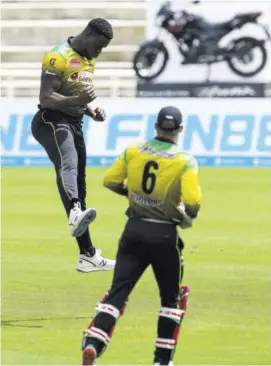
(197, 41)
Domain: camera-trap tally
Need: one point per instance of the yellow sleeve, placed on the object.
(116, 175)
(190, 190)
(53, 63)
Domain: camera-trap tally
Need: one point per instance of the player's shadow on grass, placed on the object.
(14, 322)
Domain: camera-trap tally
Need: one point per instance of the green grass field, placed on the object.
(46, 304)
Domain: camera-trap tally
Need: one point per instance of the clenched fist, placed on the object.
(87, 95)
(98, 114)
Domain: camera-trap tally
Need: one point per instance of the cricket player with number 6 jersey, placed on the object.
(164, 193)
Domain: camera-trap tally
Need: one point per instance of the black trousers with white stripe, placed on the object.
(63, 140)
(142, 244)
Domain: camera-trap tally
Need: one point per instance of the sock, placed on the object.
(85, 244)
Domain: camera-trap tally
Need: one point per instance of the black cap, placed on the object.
(169, 118)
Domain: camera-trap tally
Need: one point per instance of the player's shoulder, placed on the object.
(188, 161)
(59, 54)
(136, 147)
(132, 151)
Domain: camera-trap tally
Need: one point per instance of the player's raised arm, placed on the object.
(190, 193)
(116, 175)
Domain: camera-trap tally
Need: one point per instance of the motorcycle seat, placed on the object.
(248, 16)
(223, 25)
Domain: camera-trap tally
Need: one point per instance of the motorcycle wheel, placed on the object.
(253, 45)
(146, 56)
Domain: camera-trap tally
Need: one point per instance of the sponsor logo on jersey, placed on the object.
(151, 151)
(74, 63)
(52, 61)
(74, 76)
(80, 77)
(142, 201)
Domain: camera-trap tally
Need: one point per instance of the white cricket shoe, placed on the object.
(79, 220)
(158, 364)
(95, 263)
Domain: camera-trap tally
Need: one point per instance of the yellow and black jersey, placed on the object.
(159, 178)
(75, 72)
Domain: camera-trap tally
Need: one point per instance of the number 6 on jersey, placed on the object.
(149, 178)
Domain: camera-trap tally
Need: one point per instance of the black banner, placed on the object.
(201, 90)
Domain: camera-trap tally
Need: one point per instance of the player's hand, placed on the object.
(98, 114)
(87, 95)
(187, 221)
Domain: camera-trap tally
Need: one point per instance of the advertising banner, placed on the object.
(210, 49)
(216, 131)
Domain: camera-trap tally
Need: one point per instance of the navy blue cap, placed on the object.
(169, 118)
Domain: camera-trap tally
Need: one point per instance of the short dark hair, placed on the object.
(102, 26)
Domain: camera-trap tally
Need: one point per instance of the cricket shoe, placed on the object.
(95, 263)
(89, 355)
(158, 364)
(79, 220)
